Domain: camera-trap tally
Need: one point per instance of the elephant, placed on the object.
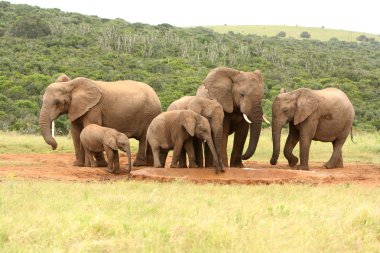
(211, 110)
(240, 94)
(96, 139)
(175, 129)
(127, 106)
(322, 115)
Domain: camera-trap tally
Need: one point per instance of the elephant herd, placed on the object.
(104, 115)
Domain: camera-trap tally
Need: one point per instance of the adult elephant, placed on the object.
(323, 115)
(240, 94)
(127, 106)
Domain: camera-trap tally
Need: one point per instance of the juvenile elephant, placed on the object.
(213, 112)
(127, 106)
(175, 129)
(96, 139)
(240, 94)
(322, 115)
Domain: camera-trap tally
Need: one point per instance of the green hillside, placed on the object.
(37, 45)
(317, 33)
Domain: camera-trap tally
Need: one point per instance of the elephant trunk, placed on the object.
(214, 154)
(276, 138)
(254, 133)
(128, 153)
(217, 137)
(45, 126)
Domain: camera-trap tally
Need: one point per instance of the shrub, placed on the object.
(281, 34)
(30, 27)
(362, 38)
(305, 35)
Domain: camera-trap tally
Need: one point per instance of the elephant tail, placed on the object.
(352, 136)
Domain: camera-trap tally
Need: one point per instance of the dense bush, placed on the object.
(305, 35)
(174, 61)
(281, 34)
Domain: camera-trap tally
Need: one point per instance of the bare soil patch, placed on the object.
(60, 167)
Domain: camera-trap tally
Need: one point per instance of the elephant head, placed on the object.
(119, 141)
(239, 91)
(74, 97)
(293, 107)
(197, 125)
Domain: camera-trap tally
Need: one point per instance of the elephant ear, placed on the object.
(219, 85)
(62, 78)
(85, 95)
(111, 142)
(307, 103)
(187, 120)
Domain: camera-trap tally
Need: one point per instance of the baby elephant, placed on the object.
(96, 139)
(175, 129)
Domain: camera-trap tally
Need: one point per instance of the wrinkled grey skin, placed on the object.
(175, 129)
(322, 115)
(239, 93)
(127, 106)
(96, 139)
(213, 112)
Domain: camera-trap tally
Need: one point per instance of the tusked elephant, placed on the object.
(213, 112)
(322, 115)
(127, 106)
(240, 94)
(96, 139)
(175, 129)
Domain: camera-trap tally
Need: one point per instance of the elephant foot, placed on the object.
(293, 162)
(237, 165)
(101, 163)
(78, 163)
(329, 165)
(193, 165)
(139, 163)
(174, 166)
(304, 167)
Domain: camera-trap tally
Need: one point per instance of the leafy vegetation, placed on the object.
(173, 60)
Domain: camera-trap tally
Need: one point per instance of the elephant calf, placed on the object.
(96, 139)
(175, 129)
(322, 115)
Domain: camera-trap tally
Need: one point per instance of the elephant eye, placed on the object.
(241, 94)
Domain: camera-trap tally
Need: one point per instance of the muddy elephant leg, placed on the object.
(223, 149)
(110, 157)
(336, 159)
(116, 163)
(79, 150)
(156, 155)
(190, 152)
(182, 159)
(291, 142)
(141, 160)
(89, 158)
(209, 160)
(100, 160)
(241, 133)
(163, 155)
(198, 151)
(178, 145)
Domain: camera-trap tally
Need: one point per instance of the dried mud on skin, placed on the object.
(60, 167)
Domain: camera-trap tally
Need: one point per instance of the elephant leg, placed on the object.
(116, 163)
(100, 160)
(209, 160)
(223, 149)
(241, 133)
(110, 157)
(176, 153)
(163, 155)
(291, 142)
(336, 159)
(182, 159)
(198, 151)
(89, 158)
(79, 150)
(141, 160)
(156, 155)
(190, 152)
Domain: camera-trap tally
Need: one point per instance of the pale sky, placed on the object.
(361, 16)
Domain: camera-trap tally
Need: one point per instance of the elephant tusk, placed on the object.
(266, 120)
(246, 118)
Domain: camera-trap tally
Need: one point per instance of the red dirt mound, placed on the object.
(59, 167)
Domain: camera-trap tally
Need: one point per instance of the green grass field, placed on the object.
(135, 216)
(317, 33)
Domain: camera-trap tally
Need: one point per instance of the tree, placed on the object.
(362, 38)
(305, 35)
(30, 27)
